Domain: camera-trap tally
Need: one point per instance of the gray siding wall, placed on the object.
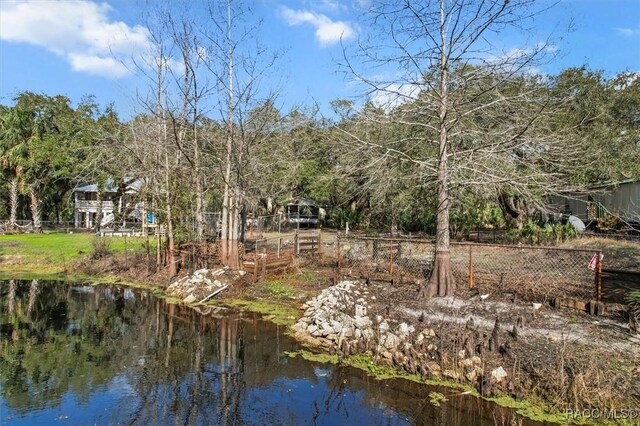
(623, 200)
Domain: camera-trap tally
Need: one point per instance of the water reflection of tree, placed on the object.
(43, 359)
(178, 365)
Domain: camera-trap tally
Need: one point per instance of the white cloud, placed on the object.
(363, 4)
(521, 60)
(92, 64)
(80, 31)
(628, 32)
(393, 95)
(328, 32)
(330, 5)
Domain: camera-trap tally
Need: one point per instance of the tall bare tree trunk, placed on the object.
(228, 222)
(441, 282)
(99, 211)
(170, 239)
(200, 222)
(234, 261)
(13, 203)
(36, 209)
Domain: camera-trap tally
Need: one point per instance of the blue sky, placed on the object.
(81, 47)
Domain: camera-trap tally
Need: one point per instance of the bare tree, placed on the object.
(237, 63)
(468, 107)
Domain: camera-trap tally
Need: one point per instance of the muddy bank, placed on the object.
(559, 359)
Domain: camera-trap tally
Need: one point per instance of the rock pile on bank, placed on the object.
(338, 319)
(202, 284)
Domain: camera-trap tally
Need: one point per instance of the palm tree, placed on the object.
(16, 129)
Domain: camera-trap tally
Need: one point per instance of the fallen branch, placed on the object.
(213, 294)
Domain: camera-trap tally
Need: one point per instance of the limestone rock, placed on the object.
(498, 375)
(347, 332)
(450, 374)
(428, 332)
(362, 322)
(361, 311)
(405, 329)
(434, 368)
(391, 341)
(471, 376)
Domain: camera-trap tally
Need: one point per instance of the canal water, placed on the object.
(73, 354)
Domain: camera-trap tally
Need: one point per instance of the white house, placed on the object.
(116, 199)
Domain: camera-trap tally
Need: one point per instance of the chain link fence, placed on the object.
(526, 272)
(394, 256)
(531, 273)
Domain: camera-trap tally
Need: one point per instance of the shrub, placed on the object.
(100, 248)
(550, 233)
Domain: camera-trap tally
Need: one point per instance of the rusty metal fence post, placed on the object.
(471, 282)
(339, 258)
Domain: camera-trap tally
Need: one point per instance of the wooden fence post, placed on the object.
(279, 243)
(320, 240)
(297, 243)
(391, 258)
(599, 278)
(471, 283)
(264, 261)
(338, 250)
(255, 263)
(148, 252)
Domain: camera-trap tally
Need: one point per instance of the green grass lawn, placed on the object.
(58, 248)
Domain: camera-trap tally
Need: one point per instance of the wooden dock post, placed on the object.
(471, 282)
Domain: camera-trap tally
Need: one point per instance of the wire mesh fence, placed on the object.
(64, 226)
(399, 256)
(532, 273)
(269, 224)
(529, 273)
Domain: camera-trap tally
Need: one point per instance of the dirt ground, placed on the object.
(618, 254)
(561, 356)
